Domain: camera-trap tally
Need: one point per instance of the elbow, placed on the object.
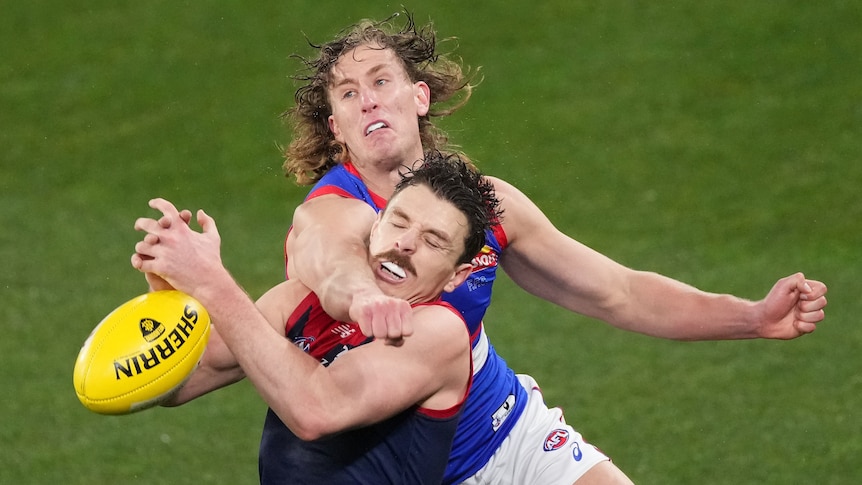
(308, 434)
(309, 426)
(311, 432)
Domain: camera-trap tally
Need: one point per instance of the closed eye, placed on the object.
(433, 243)
(398, 224)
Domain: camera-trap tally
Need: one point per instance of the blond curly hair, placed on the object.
(313, 149)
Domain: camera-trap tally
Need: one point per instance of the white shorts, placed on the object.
(541, 448)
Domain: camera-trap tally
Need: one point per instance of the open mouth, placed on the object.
(394, 269)
(374, 127)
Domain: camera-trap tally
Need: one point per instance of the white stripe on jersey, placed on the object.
(480, 350)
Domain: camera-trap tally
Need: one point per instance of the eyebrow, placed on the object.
(396, 211)
(371, 71)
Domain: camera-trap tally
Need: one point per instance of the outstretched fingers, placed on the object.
(207, 223)
(145, 249)
(169, 211)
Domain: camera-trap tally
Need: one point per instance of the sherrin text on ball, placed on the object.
(141, 352)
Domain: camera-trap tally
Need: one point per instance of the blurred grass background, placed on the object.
(717, 143)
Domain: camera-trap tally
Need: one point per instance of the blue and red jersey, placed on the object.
(496, 399)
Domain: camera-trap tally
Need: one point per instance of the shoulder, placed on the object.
(281, 300)
(502, 187)
(346, 182)
(334, 175)
(438, 309)
(521, 216)
(439, 321)
(339, 188)
(286, 290)
(333, 207)
(508, 194)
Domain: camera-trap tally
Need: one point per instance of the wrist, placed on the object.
(358, 302)
(342, 294)
(215, 290)
(752, 318)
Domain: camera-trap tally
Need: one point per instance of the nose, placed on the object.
(369, 101)
(406, 242)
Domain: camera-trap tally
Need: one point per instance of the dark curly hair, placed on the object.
(313, 148)
(456, 181)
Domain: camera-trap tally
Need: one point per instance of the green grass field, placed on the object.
(719, 144)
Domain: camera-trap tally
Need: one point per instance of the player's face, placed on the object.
(415, 245)
(376, 108)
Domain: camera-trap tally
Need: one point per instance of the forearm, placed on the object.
(636, 301)
(327, 251)
(218, 368)
(662, 307)
(204, 380)
(336, 270)
(584, 281)
(292, 383)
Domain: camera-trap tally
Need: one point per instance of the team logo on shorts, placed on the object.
(502, 412)
(556, 439)
(577, 454)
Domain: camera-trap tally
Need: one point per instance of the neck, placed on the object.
(382, 176)
(382, 185)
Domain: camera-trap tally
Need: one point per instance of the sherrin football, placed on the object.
(141, 352)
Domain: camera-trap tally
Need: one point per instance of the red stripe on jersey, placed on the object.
(379, 202)
(500, 234)
(329, 190)
(316, 332)
(447, 413)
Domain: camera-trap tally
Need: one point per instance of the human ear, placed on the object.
(333, 127)
(462, 272)
(423, 98)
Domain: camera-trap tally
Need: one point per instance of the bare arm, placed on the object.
(365, 385)
(218, 368)
(587, 282)
(326, 251)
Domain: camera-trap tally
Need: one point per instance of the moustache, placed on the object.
(397, 257)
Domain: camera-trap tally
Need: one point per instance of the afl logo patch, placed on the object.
(556, 439)
(487, 258)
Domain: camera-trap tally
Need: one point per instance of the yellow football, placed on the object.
(141, 352)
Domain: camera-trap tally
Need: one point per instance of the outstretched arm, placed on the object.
(587, 282)
(365, 385)
(327, 251)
